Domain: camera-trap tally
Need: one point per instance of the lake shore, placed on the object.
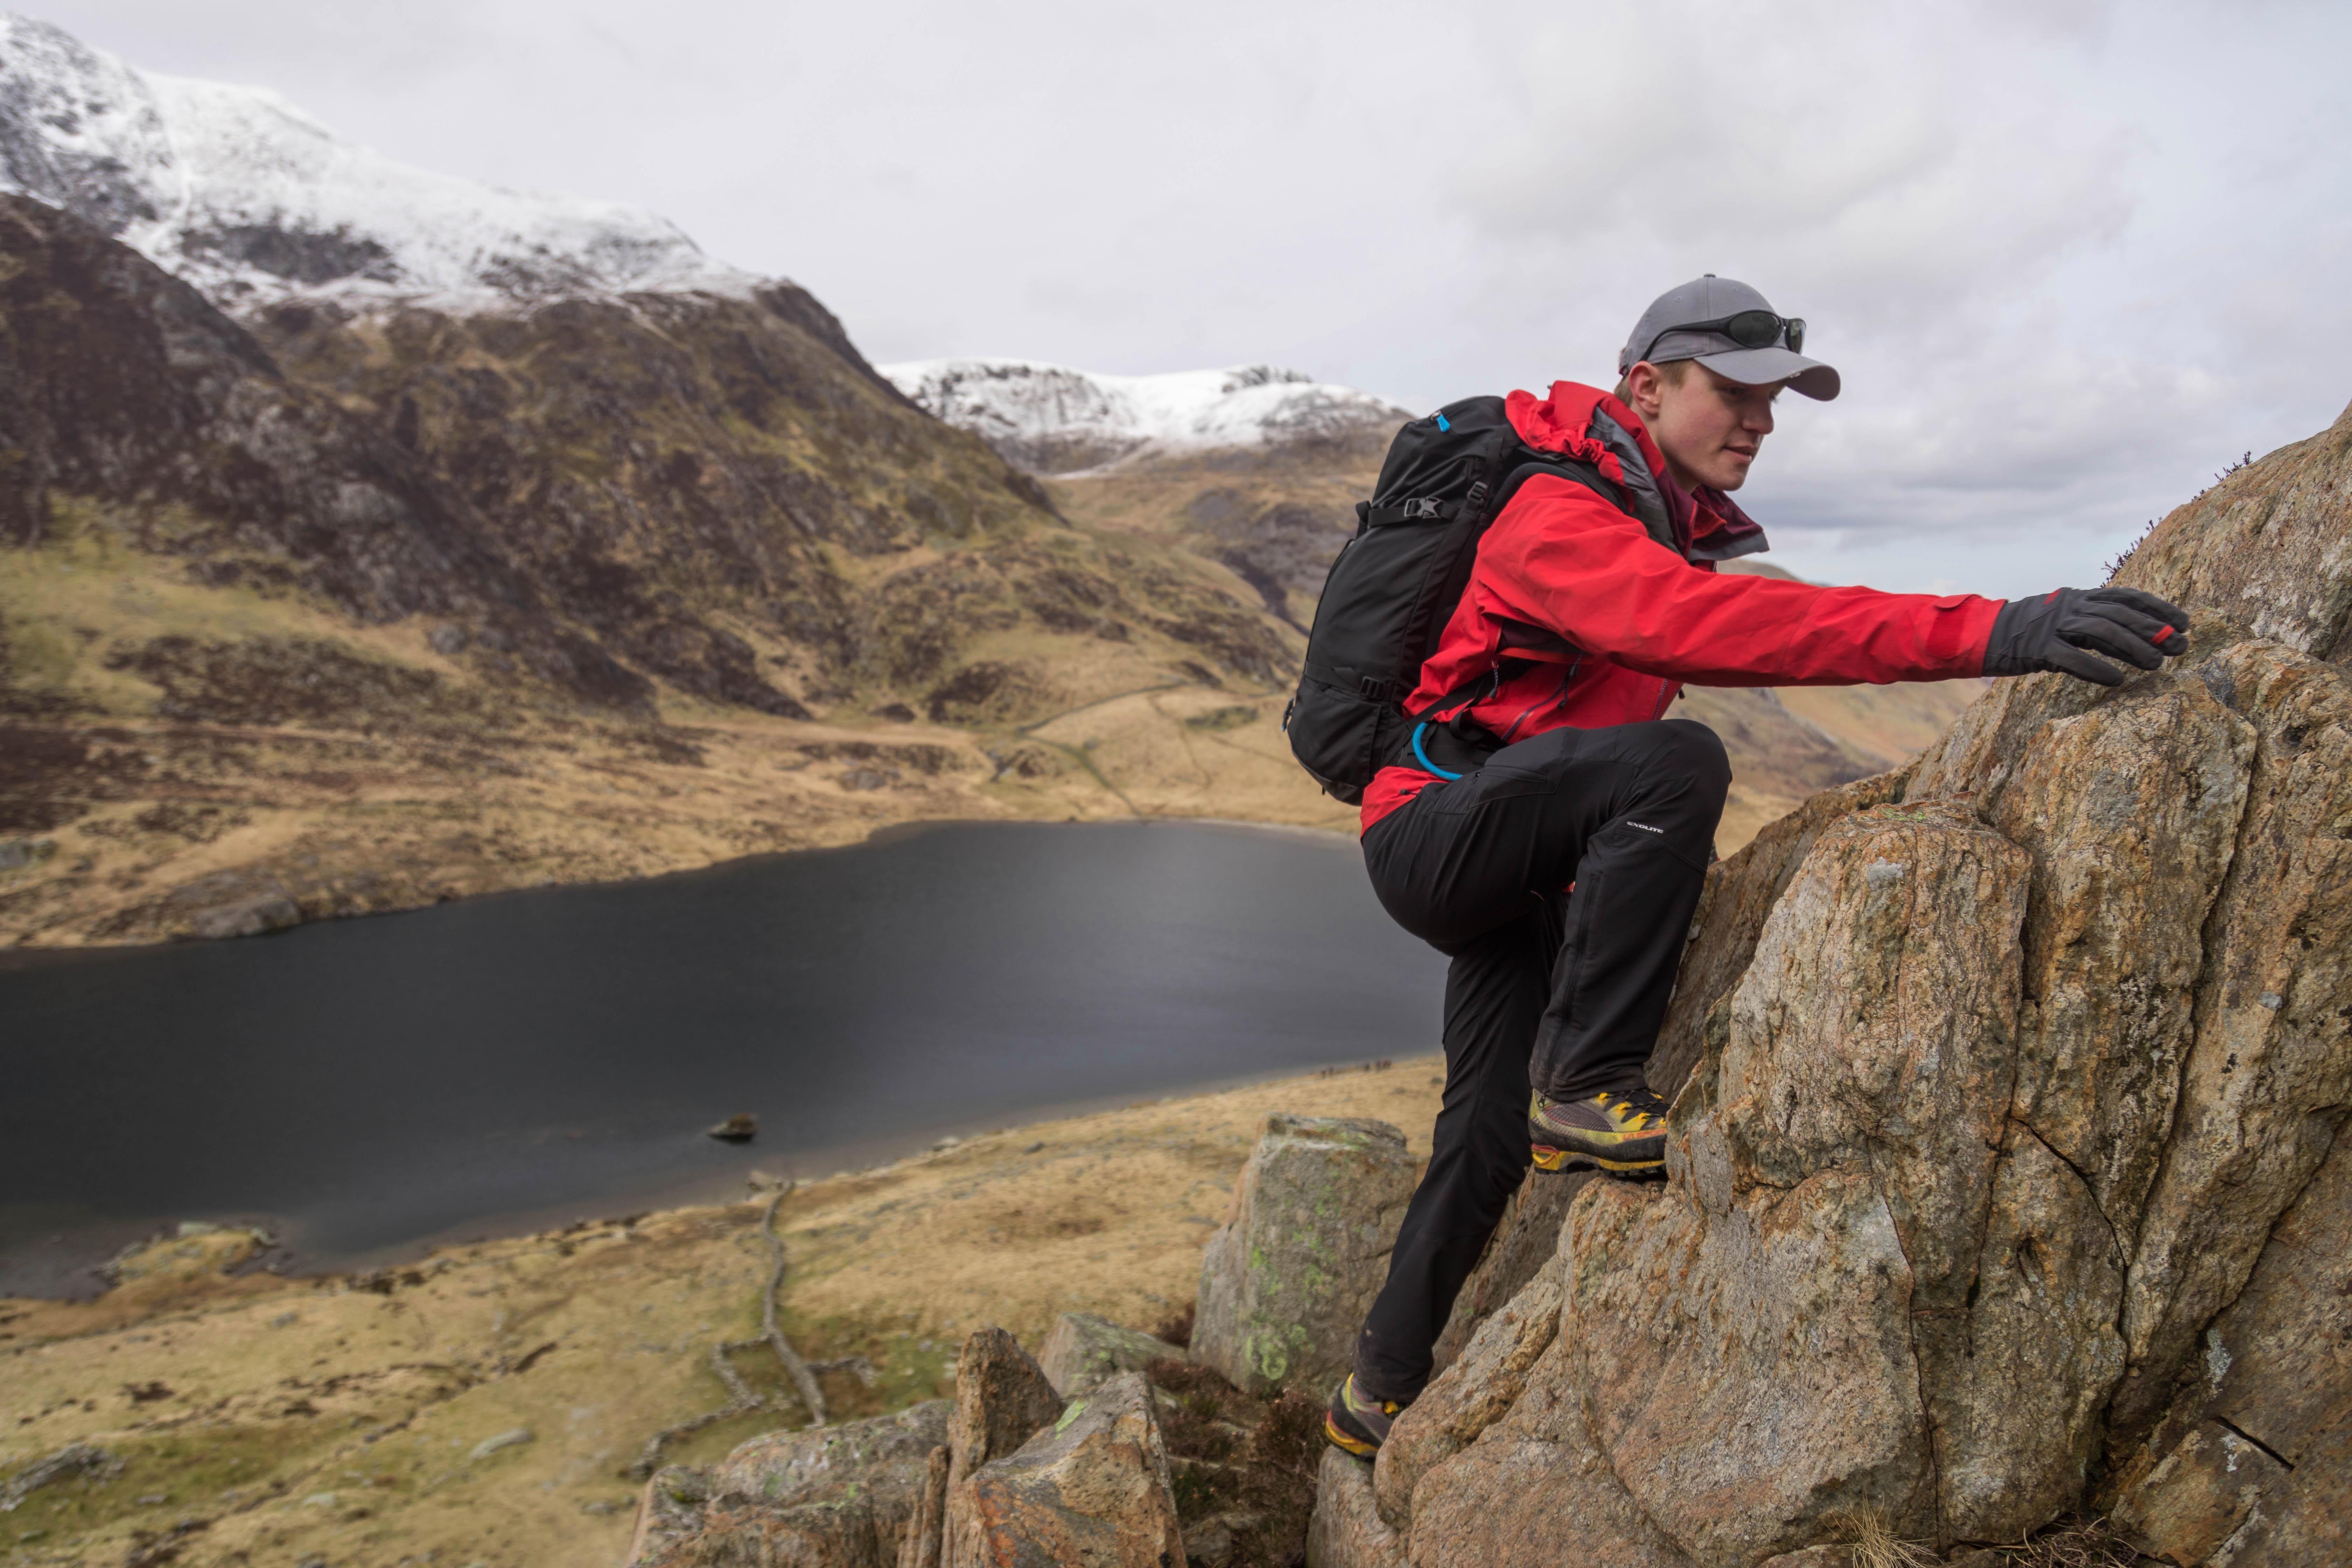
(270, 1421)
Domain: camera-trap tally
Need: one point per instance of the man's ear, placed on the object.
(1643, 387)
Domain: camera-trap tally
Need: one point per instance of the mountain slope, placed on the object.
(1051, 419)
(346, 612)
(244, 194)
(368, 537)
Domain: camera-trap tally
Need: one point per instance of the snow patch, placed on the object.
(1051, 418)
(252, 200)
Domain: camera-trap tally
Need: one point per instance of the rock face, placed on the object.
(2005, 1176)
(1081, 1350)
(1091, 1488)
(1347, 1531)
(2278, 1362)
(1487, 1380)
(1287, 1280)
(1003, 1397)
(834, 1497)
(1522, 1245)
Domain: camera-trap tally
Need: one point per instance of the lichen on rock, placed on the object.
(1290, 1276)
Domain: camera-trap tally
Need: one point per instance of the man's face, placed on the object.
(1710, 428)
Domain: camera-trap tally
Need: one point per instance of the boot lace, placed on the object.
(1635, 1111)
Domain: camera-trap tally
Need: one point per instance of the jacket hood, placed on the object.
(1593, 426)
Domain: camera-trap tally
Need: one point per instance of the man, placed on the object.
(1556, 854)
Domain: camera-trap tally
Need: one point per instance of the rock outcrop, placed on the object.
(2005, 1176)
(908, 1489)
(1081, 1350)
(1093, 1489)
(1487, 1379)
(1347, 1531)
(1287, 1280)
(839, 1497)
(1003, 1399)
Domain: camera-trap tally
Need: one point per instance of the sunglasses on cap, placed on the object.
(1748, 329)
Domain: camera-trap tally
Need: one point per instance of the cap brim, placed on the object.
(1760, 367)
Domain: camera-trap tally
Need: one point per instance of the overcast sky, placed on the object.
(2071, 257)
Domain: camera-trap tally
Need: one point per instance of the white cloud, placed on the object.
(2001, 222)
(2069, 256)
(1886, 153)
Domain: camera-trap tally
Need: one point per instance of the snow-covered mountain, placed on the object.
(250, 199)
(1051, 419)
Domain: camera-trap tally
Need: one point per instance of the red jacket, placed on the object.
(1604, 624)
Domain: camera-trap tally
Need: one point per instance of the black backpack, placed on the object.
(1396, 581)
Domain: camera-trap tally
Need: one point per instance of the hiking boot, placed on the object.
(1622, 1134)
(1356, 1422)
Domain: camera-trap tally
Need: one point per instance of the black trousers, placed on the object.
(1558, 988)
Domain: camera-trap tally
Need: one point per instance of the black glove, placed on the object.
(2049, 632)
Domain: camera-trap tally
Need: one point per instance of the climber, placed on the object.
(1548, 828)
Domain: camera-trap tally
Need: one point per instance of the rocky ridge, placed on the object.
(2005, 1177)
(251, 199)
(1051, 419)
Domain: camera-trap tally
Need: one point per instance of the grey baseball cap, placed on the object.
(1659, 336)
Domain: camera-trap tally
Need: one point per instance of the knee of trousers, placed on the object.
(1689, 752)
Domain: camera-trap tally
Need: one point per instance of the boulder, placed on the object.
(1347, 1531)
(1002, 1398)
(1287, 1280)
(827, 1497)
(1092, 1489)
(1081, 1350)
(804, 1464)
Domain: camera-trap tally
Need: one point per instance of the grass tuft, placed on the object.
(2075, 1543)
(1871, 1540)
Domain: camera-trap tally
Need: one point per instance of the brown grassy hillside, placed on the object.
(278, 1422)
(313, 614)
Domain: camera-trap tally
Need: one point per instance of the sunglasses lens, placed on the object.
(1797, 336)
(1752, 328)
